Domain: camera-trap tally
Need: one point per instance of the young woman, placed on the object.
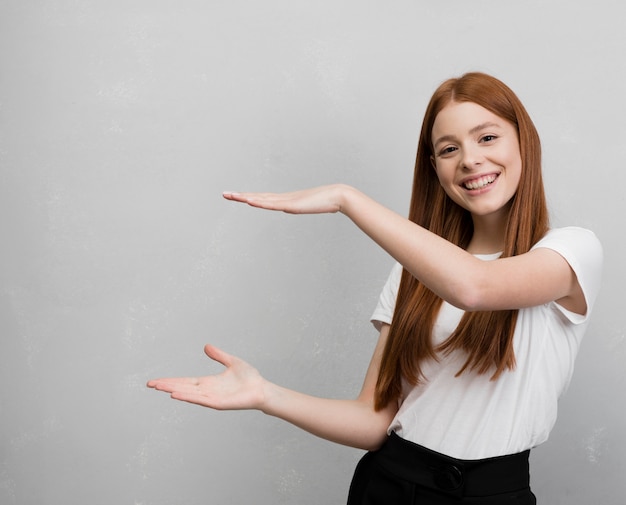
(480, 320)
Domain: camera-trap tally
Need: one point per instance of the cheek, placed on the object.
(443, 173)
(446, 181)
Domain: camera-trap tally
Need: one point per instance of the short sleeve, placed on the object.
(583, 251)
(387, 300)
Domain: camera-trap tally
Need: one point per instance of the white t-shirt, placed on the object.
(473, 417)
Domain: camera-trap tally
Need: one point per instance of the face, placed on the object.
(477, 158)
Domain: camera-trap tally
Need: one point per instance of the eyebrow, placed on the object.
(473, 130)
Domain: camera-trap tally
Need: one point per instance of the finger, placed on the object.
(266, 201)
(244, 197)
(232, 195)
(170, 383)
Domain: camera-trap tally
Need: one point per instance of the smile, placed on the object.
(481, 182)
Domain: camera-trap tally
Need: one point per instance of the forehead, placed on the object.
(460, 118)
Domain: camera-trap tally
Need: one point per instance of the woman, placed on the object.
(480, 320)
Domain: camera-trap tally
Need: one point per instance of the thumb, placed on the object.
(218, 355)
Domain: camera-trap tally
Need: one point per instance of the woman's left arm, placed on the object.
(534, 278)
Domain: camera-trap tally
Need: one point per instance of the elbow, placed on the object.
(369, 439)
(469, 298)
(375, 442)
(377, 432)
(474, 290)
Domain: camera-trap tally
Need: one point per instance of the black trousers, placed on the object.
(404, 473)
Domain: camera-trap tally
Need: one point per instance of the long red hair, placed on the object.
(485, 336)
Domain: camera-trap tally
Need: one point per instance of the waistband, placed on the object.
(456, 477)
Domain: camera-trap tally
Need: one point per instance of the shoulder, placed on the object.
(582, 249)
(579, 246)
(387, 300)
(569, 235)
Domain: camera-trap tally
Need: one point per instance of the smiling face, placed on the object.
(477, 158)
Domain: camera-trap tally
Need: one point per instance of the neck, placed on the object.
(488, 234)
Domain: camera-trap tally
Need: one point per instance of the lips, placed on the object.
(479, 182)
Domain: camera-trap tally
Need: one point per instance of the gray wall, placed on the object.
(120, 124)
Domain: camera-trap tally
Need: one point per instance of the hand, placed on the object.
(238, 387)
(320, 200)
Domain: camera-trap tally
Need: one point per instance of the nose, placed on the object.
(471, 157)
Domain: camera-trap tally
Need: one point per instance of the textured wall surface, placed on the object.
(121, 122)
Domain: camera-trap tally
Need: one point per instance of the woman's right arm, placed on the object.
(534, 278)
(240, 386)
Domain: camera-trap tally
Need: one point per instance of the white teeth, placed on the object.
(481, 182)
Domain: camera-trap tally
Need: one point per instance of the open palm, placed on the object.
(320, 200)
(238, 387)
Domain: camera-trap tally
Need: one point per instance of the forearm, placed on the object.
(354, 423)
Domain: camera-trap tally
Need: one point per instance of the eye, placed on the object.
(447, 150)
(488, 138)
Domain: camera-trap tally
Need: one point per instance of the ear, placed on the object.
(433, 162)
